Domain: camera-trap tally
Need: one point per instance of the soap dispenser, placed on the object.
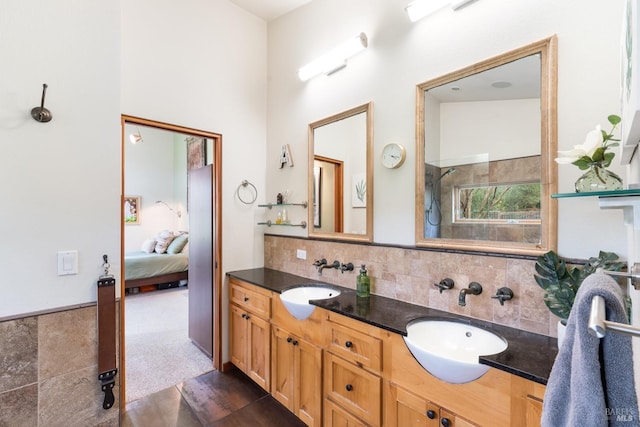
(363, 283)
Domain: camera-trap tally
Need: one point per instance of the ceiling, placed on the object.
(269, 9)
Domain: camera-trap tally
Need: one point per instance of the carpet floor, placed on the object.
(158, 352)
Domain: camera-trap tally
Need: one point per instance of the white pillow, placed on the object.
(163, 239)
(148, 245)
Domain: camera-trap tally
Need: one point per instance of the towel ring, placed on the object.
(246, 184)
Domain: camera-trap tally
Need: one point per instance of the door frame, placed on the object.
(217, 236)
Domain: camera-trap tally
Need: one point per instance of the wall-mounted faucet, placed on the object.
(334, 264)
(444, 284)
(474, 288)
(503, 294)
(320, 262)
(346, 267)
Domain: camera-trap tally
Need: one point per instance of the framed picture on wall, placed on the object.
(131, 210)
(358, 191)
(196, 152)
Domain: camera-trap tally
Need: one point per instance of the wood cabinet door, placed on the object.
(258, 350)
(308, 382)
(282, 367)
(238, 337)
(404, 408)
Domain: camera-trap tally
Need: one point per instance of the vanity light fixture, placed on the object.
(178, 213)
(334, 60)
(136, 137)
(418, 9)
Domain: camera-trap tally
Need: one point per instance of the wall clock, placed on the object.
(393, 155)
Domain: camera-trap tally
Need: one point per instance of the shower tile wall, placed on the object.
(409, 275)
(48, 371)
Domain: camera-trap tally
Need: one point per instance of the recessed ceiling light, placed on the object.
(455, 88)
(501, 85)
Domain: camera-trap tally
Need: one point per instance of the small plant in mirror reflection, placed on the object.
(594, 150)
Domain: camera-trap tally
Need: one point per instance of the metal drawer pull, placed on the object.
(348, 344)
(349, 387)
(431, 414)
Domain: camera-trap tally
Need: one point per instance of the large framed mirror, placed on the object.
(485, 140)
(341, 176)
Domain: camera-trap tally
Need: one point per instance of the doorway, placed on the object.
(171, 211)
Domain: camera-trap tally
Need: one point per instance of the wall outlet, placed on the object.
(301, 254)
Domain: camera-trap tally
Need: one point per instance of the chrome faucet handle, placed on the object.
(335, 264)
(346, 267)
(503, 294)
(444, 284)
(320, 262)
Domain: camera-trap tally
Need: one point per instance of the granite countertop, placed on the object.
(528, 355)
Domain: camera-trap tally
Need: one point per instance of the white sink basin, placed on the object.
(296, 300)
(449, 350)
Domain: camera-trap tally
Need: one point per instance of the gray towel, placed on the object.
(581, 390)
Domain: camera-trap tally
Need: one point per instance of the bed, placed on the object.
(142, 268)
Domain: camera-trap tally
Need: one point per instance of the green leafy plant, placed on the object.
(561, 282)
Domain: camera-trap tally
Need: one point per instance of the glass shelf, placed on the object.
(271, 205)
(616, 193)
(269, 223)
(626, 200)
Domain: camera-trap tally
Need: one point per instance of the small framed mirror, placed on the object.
(485, 141)
(341, 176)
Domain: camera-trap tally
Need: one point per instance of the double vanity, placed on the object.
(349, 360)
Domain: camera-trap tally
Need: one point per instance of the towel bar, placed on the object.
(634, 274)
(598, 325)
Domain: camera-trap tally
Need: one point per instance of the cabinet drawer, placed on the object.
(355, 346)
(357, 391)
(334, 416)
(251, 298)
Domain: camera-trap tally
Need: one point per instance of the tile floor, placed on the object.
(213, 399)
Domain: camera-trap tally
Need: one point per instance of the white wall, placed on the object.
(59, 181)
(402, 54)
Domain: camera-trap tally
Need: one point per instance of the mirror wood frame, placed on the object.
(547, 48)
(368, 236)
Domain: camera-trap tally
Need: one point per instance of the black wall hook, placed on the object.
(41, 114)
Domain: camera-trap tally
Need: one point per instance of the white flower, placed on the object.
(592, 142)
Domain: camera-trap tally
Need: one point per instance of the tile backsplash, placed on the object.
(409, 275)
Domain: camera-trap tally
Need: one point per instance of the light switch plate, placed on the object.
(67, 263)
(301, 254)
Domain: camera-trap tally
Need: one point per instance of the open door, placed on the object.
(201, 260)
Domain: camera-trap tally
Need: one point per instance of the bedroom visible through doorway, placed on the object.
(163, 332)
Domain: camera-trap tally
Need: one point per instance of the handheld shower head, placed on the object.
(447, 172)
